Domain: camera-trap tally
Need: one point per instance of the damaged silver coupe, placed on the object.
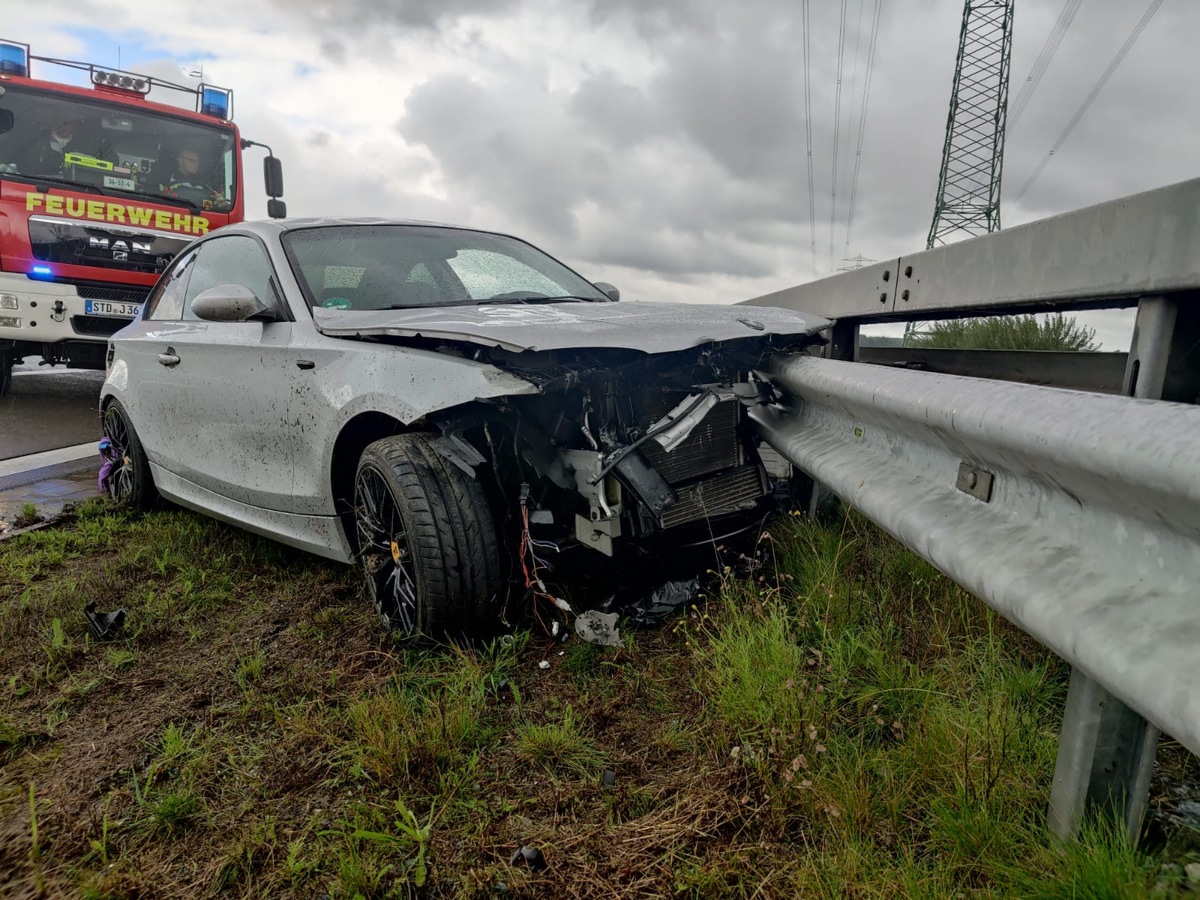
(453, 410)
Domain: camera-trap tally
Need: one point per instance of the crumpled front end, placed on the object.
(618, 446)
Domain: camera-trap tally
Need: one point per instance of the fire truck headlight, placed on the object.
(10, 322)
(9, 301)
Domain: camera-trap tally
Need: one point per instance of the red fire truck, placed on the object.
(99, 189)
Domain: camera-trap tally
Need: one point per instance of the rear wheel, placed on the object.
(129, 482)
(426, 539)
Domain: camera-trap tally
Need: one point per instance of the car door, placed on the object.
(143, 352)
(231, 387)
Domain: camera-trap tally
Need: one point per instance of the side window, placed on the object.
(166, 300)
(229, 260)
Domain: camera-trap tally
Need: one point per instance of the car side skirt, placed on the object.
(321, 535)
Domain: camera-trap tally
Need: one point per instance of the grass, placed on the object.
(835, 719)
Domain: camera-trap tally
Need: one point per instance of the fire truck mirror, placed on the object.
(276, 209)
(273, 175)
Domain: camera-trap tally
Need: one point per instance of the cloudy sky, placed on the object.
(656, 144)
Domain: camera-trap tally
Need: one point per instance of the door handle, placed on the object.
(169, 359)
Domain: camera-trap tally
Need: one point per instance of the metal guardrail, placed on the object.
(1075, 515)
(1102, 256)
(1081, 370)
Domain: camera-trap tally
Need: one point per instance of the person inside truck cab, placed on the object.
(185, 180)
(47, 158)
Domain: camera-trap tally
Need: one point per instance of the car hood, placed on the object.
(648, 327)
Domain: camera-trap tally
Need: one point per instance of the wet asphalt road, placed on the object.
(48, 409)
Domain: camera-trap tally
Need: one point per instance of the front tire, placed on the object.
(426, 539)
(130, 483)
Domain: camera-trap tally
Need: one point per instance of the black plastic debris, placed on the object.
(608, 778)
(664, 602)
(496, 688)
(104, 625)
(529, 856)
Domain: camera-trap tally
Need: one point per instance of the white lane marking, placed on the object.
(21, 464)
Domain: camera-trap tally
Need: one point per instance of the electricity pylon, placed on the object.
(968, 197)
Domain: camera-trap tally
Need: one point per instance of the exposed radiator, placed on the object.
(725, 493)
(711, 447)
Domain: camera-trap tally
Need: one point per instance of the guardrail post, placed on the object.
(1105, 759)
(1106, 751)
(844, 342)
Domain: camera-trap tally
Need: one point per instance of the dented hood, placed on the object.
(648, 327)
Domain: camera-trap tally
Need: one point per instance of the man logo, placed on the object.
(120, 249)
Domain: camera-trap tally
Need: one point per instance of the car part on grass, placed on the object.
(663, 603)
(103, 625)
(598, 628)
(529, 856)
(608, 779)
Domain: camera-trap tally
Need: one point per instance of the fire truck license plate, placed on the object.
(107, 308)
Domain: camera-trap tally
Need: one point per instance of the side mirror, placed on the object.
(273, 176)
(228, 303)
(276, 209)
(607, 289)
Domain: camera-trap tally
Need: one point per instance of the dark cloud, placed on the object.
(668, 138)
(361, 16)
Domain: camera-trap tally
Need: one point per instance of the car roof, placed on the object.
(277, 226)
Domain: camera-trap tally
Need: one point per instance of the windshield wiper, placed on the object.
(49, 179)
(166, 198)
(496, 301)
(93, 189)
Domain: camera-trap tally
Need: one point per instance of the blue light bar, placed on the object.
(215, 101)
(14, 59)
(41, 272)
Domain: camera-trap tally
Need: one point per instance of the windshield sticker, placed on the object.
(121, 213)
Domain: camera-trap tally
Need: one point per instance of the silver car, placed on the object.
(452, 410)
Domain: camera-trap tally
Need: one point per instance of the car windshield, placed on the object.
(407, 266)
(103, 148)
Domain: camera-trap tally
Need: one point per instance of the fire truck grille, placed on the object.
(98, 326)
(102, 290)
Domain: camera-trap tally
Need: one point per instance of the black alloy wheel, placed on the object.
(426, 540)
(129, 483)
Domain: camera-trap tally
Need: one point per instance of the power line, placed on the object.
(1053, 41)
(1094, 93)
(812, 210)
(837, 128)
(862, 119)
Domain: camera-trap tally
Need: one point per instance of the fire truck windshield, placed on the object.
(105, 148)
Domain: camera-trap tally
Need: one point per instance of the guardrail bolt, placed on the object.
(904, 294)
(908, 271)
